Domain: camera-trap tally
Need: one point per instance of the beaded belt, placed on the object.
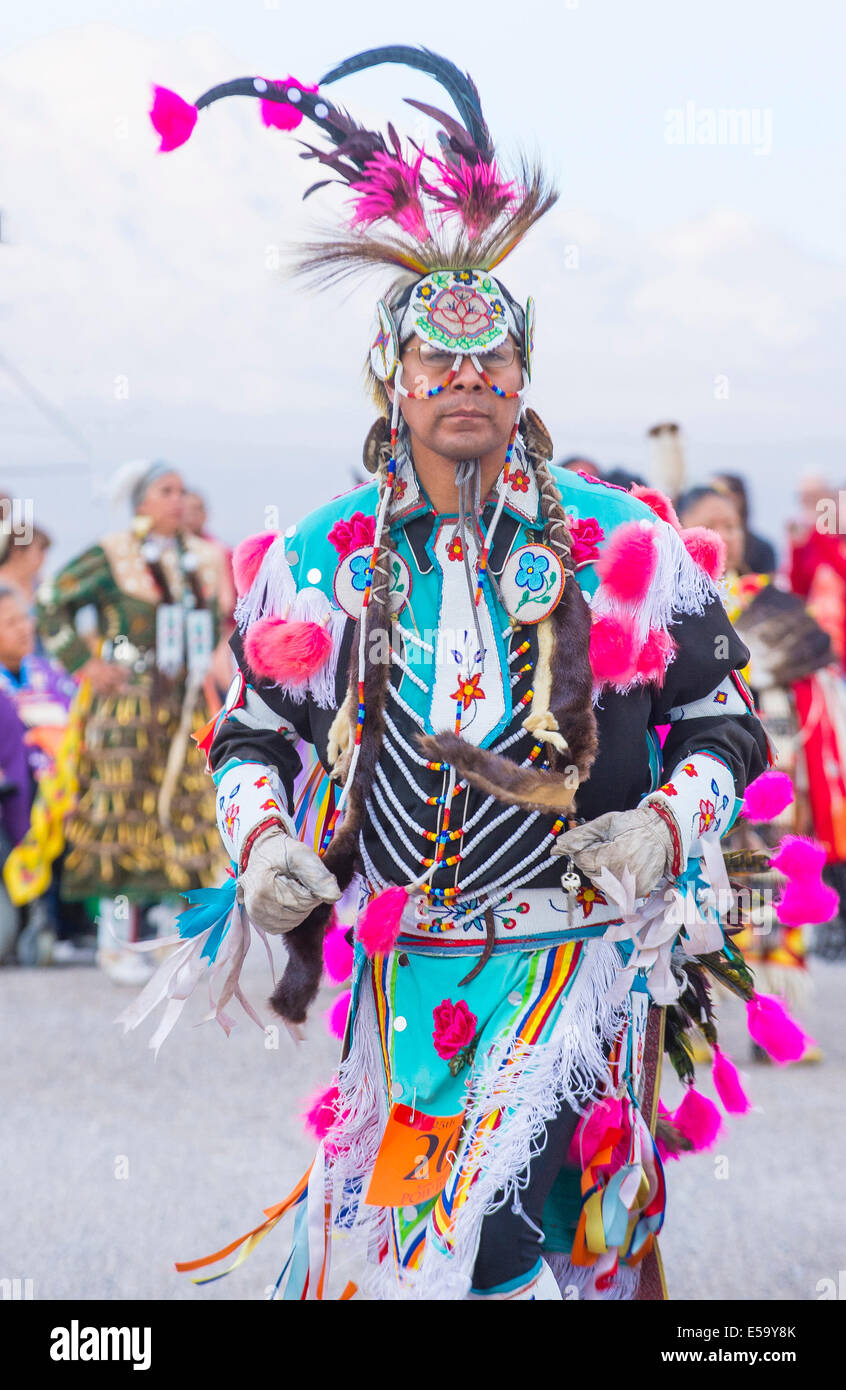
(524, 920)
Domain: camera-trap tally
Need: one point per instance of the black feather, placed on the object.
(458, 84)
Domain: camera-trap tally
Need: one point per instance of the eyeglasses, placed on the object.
(436, 360)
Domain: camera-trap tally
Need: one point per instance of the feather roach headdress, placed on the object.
(412, 210)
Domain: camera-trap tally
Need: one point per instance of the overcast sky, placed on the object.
(677, 278)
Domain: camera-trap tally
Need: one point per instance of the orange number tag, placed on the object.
(414, 1158)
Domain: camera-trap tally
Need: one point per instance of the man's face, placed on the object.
(467, 419)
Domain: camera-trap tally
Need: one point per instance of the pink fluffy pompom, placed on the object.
(798, 857)
(654, 655)
(706, 549)
(613, 649)
(379, 924)
(278, 115)
(628, 562)
(659, 503)
(281, 651)
(806, 900)
(173, 118)
(728, 1085)
(604, 1115)
(698, 1119)
(772, 1028)
(322, 1111)
(336, 1016)
(337, 955)
(283, 115)
(247, 558)
(769, 795)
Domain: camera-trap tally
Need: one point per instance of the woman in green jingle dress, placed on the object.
(143, 827)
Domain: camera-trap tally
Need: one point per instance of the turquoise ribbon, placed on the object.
(208, 907)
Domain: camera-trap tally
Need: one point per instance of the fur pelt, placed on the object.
(572, 679)
(538, 439)
(498, 776)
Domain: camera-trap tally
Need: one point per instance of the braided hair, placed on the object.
(571, 679)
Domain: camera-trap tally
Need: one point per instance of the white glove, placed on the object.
(639, 840)
(283, 881)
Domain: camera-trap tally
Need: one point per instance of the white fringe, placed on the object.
(571, 1068)
(363, 1114)
(274, 594)
(576, 1281)
(312, 606)
(272, 591)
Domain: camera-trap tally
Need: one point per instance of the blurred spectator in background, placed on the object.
(41, 689)
(577, 463)
(42, 693)
(22, 559)
(143, 827)
(222, 663)
(15, 797)
(789, 672)
(15, 784)
(21, 562)
(623, 477)
(817, 558)
(758, 554)
(705, 506)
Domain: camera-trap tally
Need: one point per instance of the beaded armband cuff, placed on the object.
(248, 795)
(676, 864)
(250, 839)
(700, 795)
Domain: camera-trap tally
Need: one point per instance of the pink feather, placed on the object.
(728, 1085)
(337, 955)
(322, 1111)
(173, 118)
(390, 187)
(769, 795)
(654, 655)
(475, 191)
(613, 649)
(798, 857)
(659, 503)
(698, 1119)
(772, 1028)
(706, 549)
(282, 651)
(628, 562)
(247, 558)
(379, 924)
(336, 1016)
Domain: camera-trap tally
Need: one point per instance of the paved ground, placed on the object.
(115, 1165)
